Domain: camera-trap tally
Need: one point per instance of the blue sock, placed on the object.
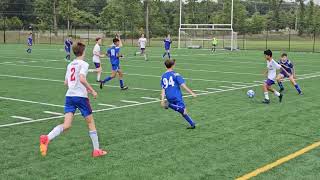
(121, 83)
(169, 56)
(177, 108)
(297, 88)
(280, 85)
(107, 79)
(188, 118)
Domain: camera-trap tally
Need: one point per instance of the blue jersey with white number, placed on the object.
(113, 53)
(167, 43)
(29, 41)
(287, 65)
(171, 82)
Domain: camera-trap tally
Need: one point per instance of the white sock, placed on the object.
(276, 93)
(94, 138)
(98, 76)
(145, 56)
(55, 132)
(266, 95)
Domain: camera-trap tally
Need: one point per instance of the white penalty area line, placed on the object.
(139, 104)
(32, 102)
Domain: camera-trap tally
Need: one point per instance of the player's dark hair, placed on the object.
(268, 52)
(169, 63)
(284, 55)
(98, 38)
(115, 40)
(78, 49)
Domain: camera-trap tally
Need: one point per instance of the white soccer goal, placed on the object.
(200, 35)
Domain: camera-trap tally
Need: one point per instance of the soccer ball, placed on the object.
(250, 93)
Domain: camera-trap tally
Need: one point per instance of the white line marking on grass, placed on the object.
(110, 105)
(199, 91)
(54, 80)
(130, 74)
(150, 98)
(238, 85)
(27, 101)
(133, 105)
(216, 89)
(259, 82)
(228, 87)
(126, 101)
(23, 118)
(53, 113)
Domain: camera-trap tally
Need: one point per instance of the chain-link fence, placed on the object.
(287, 40)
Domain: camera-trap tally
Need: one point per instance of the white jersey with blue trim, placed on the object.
(75, 87)
(272, 69)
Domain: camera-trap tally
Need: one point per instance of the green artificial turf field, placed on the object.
(234, 136)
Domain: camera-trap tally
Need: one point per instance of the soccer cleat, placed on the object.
(191, 127)
(44, 141)
(99, 81)
(124, 88)
(101, 84)
(281, 90)
(301, 93)
(266, 101)
(280, 98)
(98, 153)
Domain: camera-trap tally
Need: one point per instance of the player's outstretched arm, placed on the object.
(188, 90)
(84, 81)
(162, 98)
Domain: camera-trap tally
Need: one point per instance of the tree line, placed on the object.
(250, 16)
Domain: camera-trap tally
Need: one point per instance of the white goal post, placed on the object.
(194, 28)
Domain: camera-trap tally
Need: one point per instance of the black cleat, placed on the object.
(101, 84)
(98, 81)
(124, 88)
(280, 98)
(281, 90)
(301, 93)
(166, 105)
(266, 101)
(191, 127)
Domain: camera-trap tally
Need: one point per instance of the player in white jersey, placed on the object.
(96, 58)
(272, 67)
(142, 44)
(76, 98)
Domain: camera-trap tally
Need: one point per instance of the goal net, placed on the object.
(199, 35)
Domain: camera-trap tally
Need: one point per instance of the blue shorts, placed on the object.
(284, 75)
(97, 65)
(81, 103)
(115, 67)
(178, 103)
(68, 50)
(269, 82)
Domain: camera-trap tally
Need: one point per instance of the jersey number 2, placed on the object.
(73, 77)
(166, 83)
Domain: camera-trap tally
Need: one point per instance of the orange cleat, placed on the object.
(44, 141)
(98, 153)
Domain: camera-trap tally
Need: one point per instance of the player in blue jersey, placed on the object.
(114, 54)
(67, 47)
(171, 83)
(167, 45)
(288, 66)
(29, 43)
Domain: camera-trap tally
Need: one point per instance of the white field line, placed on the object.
(259, 82)
(126, 101)
(53, 113)
(199, 91)
(54, 80)
(238, 85)
(216, 89)
(131, 74)
(229, 87)
(139, 104)
(150, 98)
(27, 101)
(21, 117)
(109, 105)
(194, 64)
